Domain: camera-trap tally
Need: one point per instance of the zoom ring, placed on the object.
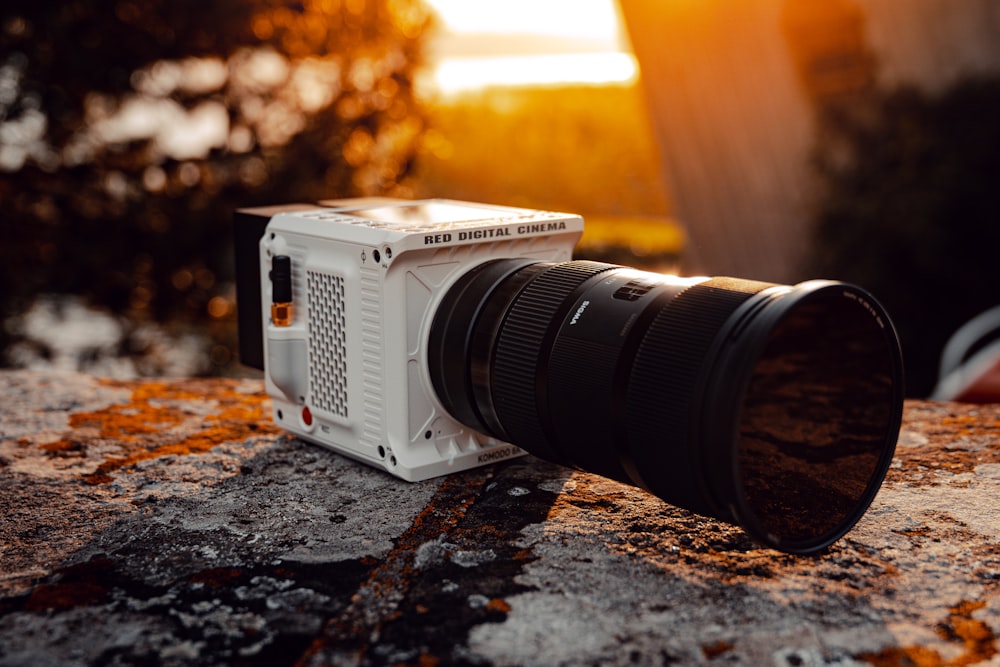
(662, 387)
(516, 368)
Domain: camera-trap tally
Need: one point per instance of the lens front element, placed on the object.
(819, 409)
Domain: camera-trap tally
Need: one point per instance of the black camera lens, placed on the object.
(773, 407)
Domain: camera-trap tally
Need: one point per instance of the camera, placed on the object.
(428, 337)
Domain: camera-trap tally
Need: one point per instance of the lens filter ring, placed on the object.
(800, 413)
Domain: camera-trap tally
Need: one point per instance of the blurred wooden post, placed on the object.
(933, 42)
(734, 87)
(733, 128)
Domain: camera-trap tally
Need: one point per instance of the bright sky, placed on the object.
(596, 19)
(529, 42)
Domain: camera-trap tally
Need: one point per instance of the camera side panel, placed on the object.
(249, 225)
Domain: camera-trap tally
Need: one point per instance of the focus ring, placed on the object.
(665, 375)
(520, 345)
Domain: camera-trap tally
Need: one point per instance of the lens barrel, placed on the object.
(773, 407)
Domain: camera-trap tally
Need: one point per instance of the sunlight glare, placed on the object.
(455, 75)
(594, 19)
(528, 43)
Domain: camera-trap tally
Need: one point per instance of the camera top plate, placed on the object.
(411, 225)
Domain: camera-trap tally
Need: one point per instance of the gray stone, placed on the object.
(169, 522)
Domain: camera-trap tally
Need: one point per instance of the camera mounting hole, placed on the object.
(381, 452)
(388, 252)
(428, 435)
(280, 415)
(376, 255)
(392, 461)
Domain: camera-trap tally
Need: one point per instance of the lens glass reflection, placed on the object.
(815, 419)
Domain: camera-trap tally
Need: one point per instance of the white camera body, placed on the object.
(346, 364)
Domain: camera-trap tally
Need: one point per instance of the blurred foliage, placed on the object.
(130, 130)
(910, 210)
(585, 149)
(582, 149)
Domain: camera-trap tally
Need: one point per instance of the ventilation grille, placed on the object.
(372, 344)
(327, 343)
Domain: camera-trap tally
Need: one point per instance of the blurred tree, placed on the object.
(910, 210)
(130, 129)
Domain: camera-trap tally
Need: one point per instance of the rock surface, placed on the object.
(170, 523)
